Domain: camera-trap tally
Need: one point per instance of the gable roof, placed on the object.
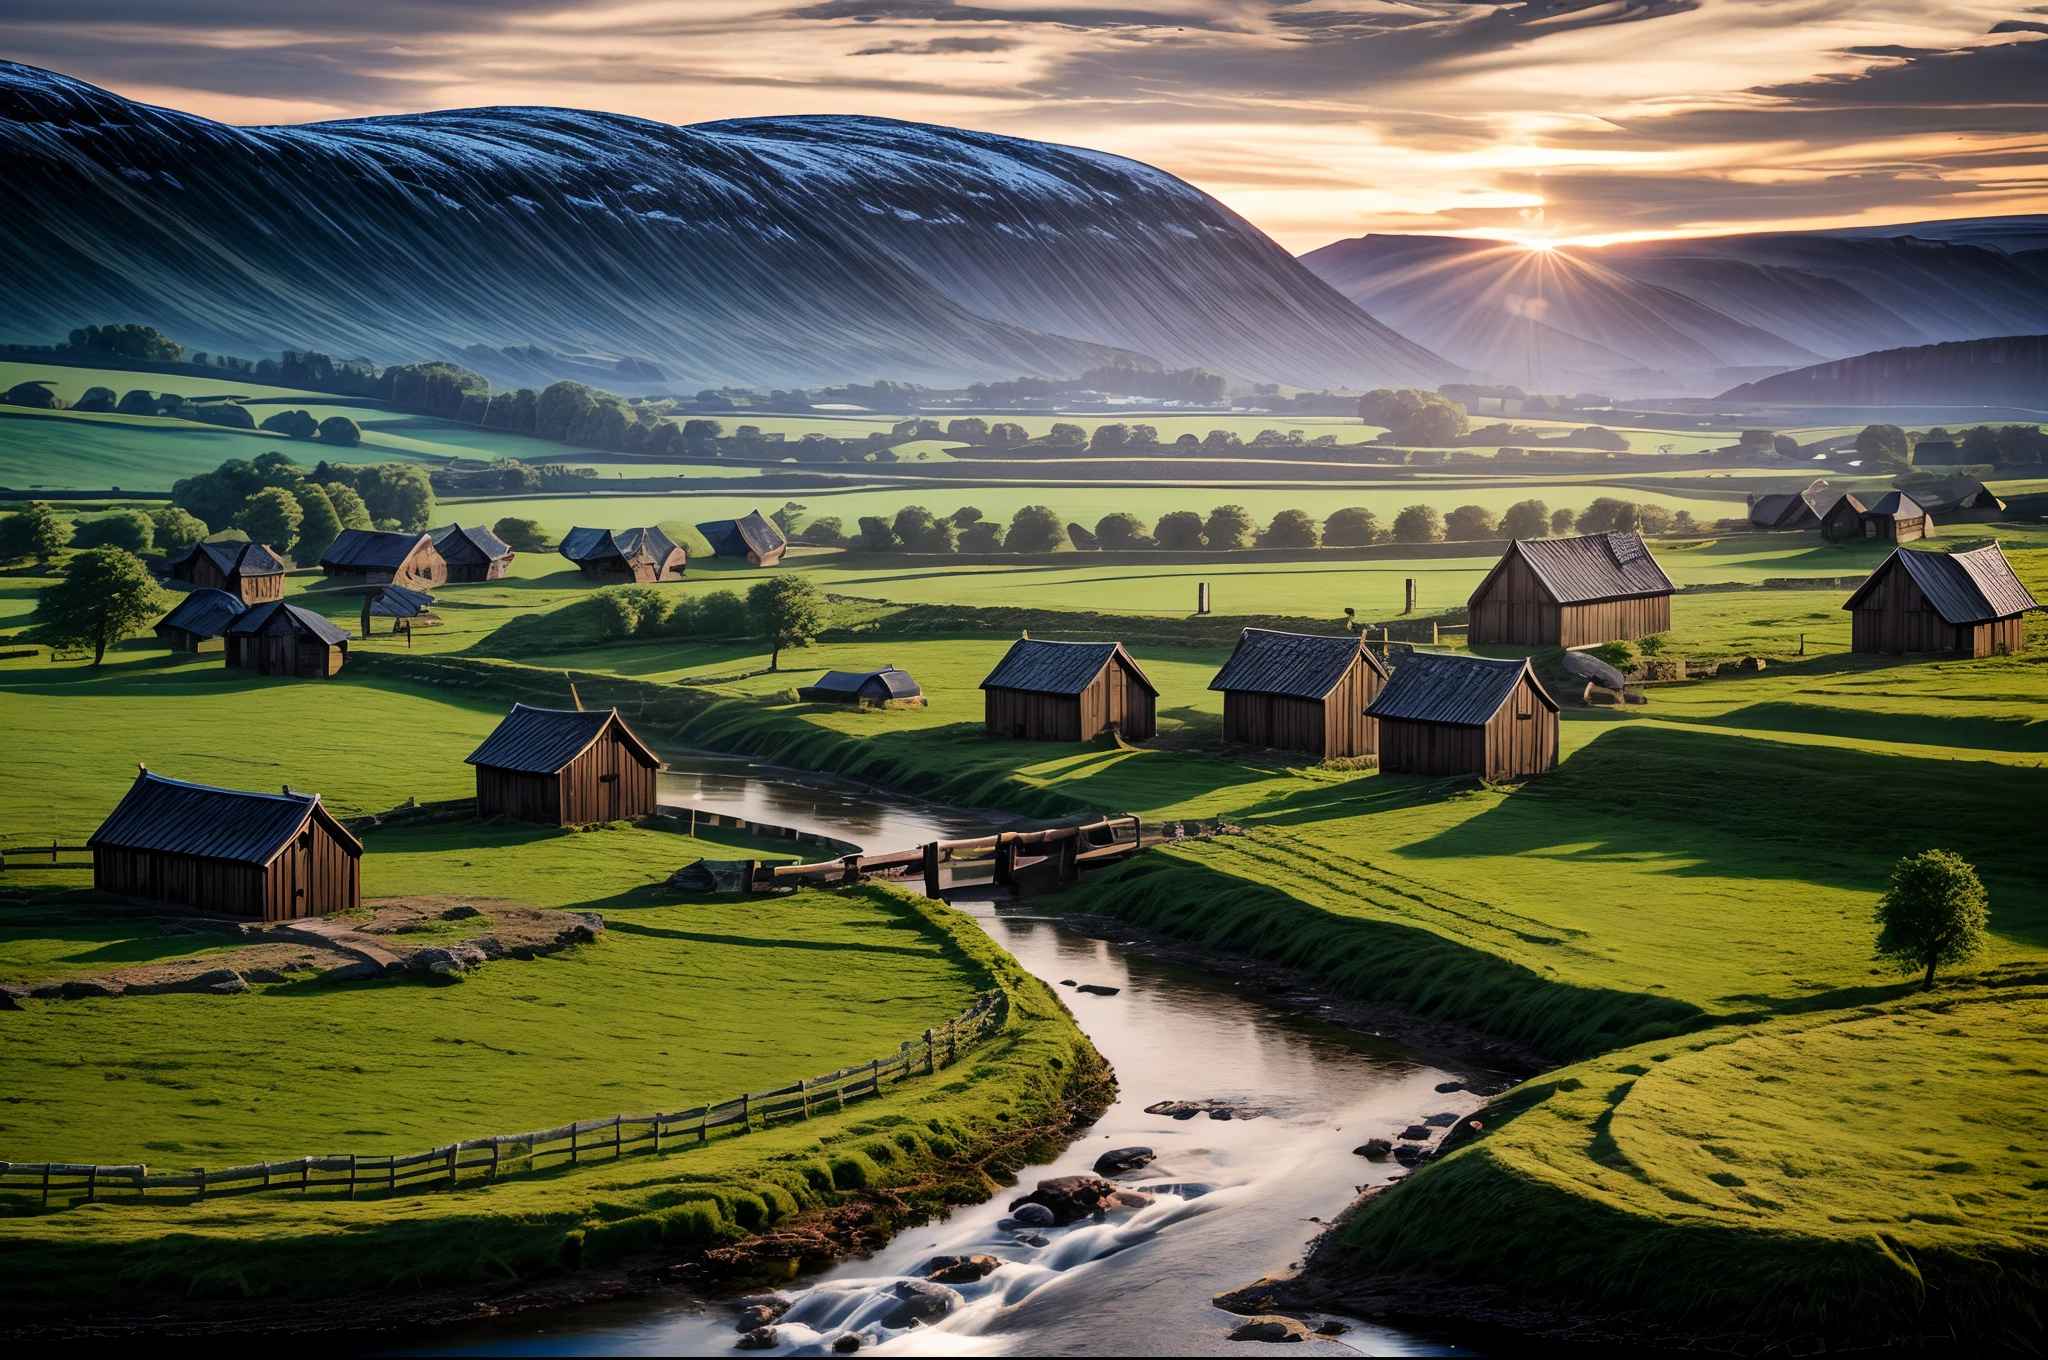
(372, 549)
(399, 602)
(170, 816)
(1966, 587)
(1897, 504)
(230, 556)
(1447, 688)
(738, 537)
(205, 612)
(544, 740)
(1058, 667)
(1951, 494)
(1592, 567)
(591, 545)
(476, 544)
(896, 684)
(1782, 510)
(257, 617)
(1299, 665)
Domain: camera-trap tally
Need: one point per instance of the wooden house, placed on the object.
(644, 555)
(283, 639)
(1893, 517)
(564, 766)
(1455, 714)
(270, 856)
(377, 557)
(752, 537)
(1958, 498)
(1301, 692)
(474, 554)
(1792, 509)
(1917, 601)
(1068, 691)
(200, 621)
(869, 689)
(1572, 592)
(250, 572)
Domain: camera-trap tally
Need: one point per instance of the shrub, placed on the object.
(875, 534)
(1525, 519)
(1290, 529)
(1469, 523)
(722, 614)
(522, 535)
(630, 611)
(1561, 521)
(826, 530)
(174, 530)
(292, 424)
(1230, 528)
(1035, 529)
(96, 399)
(1121, 529)
(982, 536)
(1352, 527)
(342, 431)
(1180, 530)
(1620, 654)
(129, 529)
(1418, 524)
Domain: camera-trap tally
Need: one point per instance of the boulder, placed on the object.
(1408, 1154)
(1271, 1327)
(1441, 1121)
(352, 972)
(760, 1310)
(1444, 1088)
(1072, 1198)
(759, 1339)
(847, 1342)
(1258, 1297)
(1119, 1160)
(1096, 989)
(1332, 1327)
(1033, 1215)
(1032, 1239)
(959, 1269)
(1374, 1148)
(712, 876)
(1184, 1189)
(460, 913)
(1416, 1133)
(79, 988)
(918, 1301)
(11, 997)
(445, 960)
(1587, 667)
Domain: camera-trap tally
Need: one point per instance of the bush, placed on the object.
(1121, 529)
(1352, 527)
(129, 529)
(1525, 519)
(292, 424)
(1230, 528)
(1035, 529)
(174, 530)
(271, 517)
(630, 611)
(1419, 524)
(722, 614)
(1620, 654)
(875, 534)
(342, 431)
(982, 536)
(35, 395)
(522, 535)
(1469, 523)
(99, 399)
(826, 530)
(1290, 529)
(1180, 530)
(1413, 416)
(223, 413)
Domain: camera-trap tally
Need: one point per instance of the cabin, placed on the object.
(565, 767)
(754, 538)
(407, 609)
(644, 555)
(373, 557)
(1919, 601)
(251, 572)
(1789, 510)
(200, 621)
(1446, 714)
(1893, 517)
(266, 856)
(1572, 592)
(868, 689)
(1301, 692)
(474, 554)
(1962, 499)
(283, 639)
(1068, 691)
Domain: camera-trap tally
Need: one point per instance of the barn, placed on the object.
(564, 766)
(1572, 592)
(200, 621)
(1916, 601)
(270, 856)
(1893, 517)
(474, 554)
(1781, 510)
(1959, 498)
(283, 639)
(379, 557)
(1300, 692)
(751, 537)
(250, 572)
(1454, 714)
(869, 689)
(642, 555)
(1068, 691)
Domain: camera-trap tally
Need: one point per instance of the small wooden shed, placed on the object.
(1958, 498)
(1572, 592)
(1454, 714)
(283, 639)
(473, 554)
(1893, 517)
(753, 537)
(564, 766)
(1919, 601)
(1301, 692)
(1068, 691)
(271, 856)
(200, 621)
(250, 572)
(381, 557)
(869, 689)
(644, 555)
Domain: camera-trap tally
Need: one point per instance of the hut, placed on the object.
(1572, 592)
(1958, 498)
(1792, 509)
(869, 689)
(380, 557)
(407, 609)
(1301, 692)
(250, 572)
(564, 766)
(642, 555)
(751, 537)
(471, 554)
(1918, 601)
(1893, 517)
(1456, 714)
(283, 639)
(200, 621)
(271, 856)
(1068, 691)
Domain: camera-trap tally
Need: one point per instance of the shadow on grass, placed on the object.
(1965, 732)
(767, 942)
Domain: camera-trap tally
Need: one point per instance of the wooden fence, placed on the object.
(497, 1155)
(1057, 853)
(42, 856)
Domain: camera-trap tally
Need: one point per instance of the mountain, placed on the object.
(766, 251)
(2010, 370)
(1693, 316)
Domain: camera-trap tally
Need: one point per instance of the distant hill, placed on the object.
(773, 251)
(2009, 370)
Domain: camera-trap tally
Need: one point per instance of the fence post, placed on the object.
(615, 1135)
(952, 1041)
(657, 1135)
(929, 1065)
(352, 1175)
(746, 1113)
(92, 1184)
(496, 1152)
(803, 1095)
(932, 884)
(46, 1185)
(391, 1171)
(1006, 859)
(575, 1152)
(305, 1175)
(874, 1076)
(453, 1148)
(202, 1186)
(703, 1122)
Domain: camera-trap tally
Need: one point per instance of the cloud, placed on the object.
(938, 47)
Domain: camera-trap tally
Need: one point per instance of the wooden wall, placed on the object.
(178, 640)
(1586, 625)
(1895, 618)
(493, 570)
(313, 875)
(525, 797)
(1519, 740)
(285, 653)
(1329, 728)
(201, 571)
(1517, 609)
(607, 783)
(1111, 697)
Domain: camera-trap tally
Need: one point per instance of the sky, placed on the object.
(1543, 120)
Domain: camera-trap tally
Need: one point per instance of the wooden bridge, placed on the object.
(1052, 857)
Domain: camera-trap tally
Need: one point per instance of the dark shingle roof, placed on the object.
(1058, 667)
(591, 545)
(205, 613)
(472, 545)
(1955, 493)
(172, 817)
(847, 685)
(1966, 587)
(738, 537)
(259, 618)
(1594, 567)
(230, 556)
(1464, 690)
(1781, 509)
(371, 549)
(1301, 665)
(397, 602)
(1897, 504)
(544, 740)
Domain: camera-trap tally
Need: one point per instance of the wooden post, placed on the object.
(703, 1122)
(929, 1065)
(1408, 607)
(753, 868)
(803, 1095)
(746, 1113)
(617, 1122)
(574, 1151)
(352, 1175)
(1006, 860)
(305, 1175)
(1202, 597)
(453, 1148)
(496, 1152)
(92, 1183)
(657, 1135)
(202, 1185)
(932, 884)
(875, 1076)
(391, 1173)
(1069, 867)
(1435, 639)
(1802, 644)
(46, 1185)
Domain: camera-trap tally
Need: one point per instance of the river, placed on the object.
(1234, 1199)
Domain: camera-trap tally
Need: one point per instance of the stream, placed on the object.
(1232, 1199)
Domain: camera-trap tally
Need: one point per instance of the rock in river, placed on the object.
(1271, 1327)
(1072, 1198)
(1416, 1133)
(1033, 1214)
(1374, 1148)
(758, 1310)
(918, 1301)
(760, 1339)
(1118, 1160)
(958, 1269)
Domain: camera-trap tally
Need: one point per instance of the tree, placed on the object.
(1110, 438)
(399, 491)
(1179, 530)
(106, 594)
(787, 611)
(522, 535)
(272, 517)
(33, 532)
(1007, 432)
(1561, 520)
(1604, 515)
(1290, 529)
(1683, 523)
(1121, 529)
(1469, 523)
(129, 529)
(918, 530)
(1934, 913)
(1230, 528)
(174, 530)
(1652, 518)
(967, 430)
(1066, 435)
(349, 507)
(136, 342)
(291, 424)
(1418, 524)
(1352, 527)
(319, 526)
(1884, 444)
(982, 536)
(340, 431)
(1035, 529)
(1526, 519)
(722, 614)
(1413, 416)
(875, 534)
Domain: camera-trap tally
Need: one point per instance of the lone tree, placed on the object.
(787, 611)
(1933, 914)
(106, 594)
